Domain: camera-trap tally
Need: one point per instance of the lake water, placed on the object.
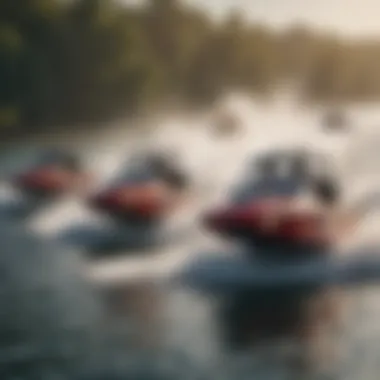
(215, 164)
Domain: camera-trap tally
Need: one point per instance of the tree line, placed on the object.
(64, 63)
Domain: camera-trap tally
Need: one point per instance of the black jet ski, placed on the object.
(39, 176)
(135, 206)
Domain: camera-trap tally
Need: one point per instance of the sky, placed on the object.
(350, 17)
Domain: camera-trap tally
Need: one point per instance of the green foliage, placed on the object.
(67, 62)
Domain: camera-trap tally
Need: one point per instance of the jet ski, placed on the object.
(335, 121)
(283, 261)
(225, 124)
(145, 193)
(270, 208)
(39, 176)
(52, 172)
(135, 206)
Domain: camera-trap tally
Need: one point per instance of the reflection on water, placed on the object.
(197, 335)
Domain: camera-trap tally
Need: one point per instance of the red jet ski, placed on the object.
(278, 213)
(142, 195)
(51, 174)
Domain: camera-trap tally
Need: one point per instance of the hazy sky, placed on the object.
(346, 16)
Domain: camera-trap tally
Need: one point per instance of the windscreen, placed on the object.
(275, 175)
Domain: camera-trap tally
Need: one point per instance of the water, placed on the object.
(214, 165)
